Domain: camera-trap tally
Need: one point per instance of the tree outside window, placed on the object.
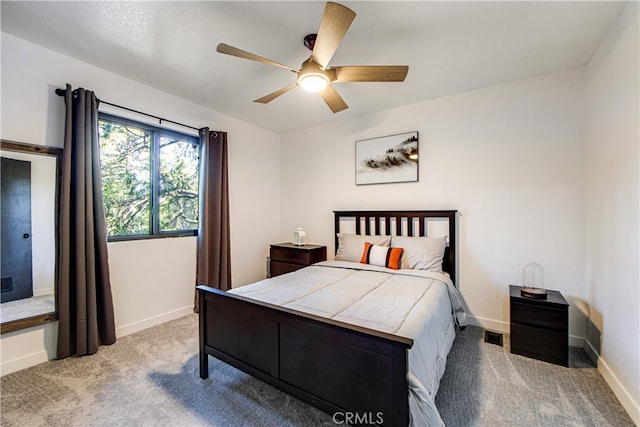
(149, 179)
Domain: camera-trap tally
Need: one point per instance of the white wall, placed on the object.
(510, 158)
(613, 182)
(152, 280)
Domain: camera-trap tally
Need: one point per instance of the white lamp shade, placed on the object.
(299, 237)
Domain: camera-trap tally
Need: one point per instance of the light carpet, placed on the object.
(151, 378)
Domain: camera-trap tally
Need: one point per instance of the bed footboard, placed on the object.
(345, 370)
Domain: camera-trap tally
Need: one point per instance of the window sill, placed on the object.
(188, 233)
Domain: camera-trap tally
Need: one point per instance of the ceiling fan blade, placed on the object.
(376, 73)
(335, 23)
(234, 51)
(333, 99)
(268, 98)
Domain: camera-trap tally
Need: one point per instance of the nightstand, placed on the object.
(540, 327)
(287, 257)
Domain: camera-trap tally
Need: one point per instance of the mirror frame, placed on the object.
(40, 319)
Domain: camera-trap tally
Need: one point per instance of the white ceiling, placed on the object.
(450, 47)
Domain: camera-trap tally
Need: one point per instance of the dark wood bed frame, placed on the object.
(334, 366)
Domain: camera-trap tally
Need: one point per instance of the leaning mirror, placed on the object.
(28, 237)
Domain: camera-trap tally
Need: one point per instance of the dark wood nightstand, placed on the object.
(287, 257)
(540, 327)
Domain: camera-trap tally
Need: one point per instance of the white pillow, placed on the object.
(421, 253)
(350, 246)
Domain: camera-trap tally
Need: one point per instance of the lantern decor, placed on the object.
(299, 237)
(533, 281)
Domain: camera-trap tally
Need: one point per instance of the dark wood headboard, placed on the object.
(403, 223)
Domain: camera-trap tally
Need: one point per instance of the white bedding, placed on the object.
(416, 304)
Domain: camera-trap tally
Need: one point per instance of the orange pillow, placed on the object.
(381, 256)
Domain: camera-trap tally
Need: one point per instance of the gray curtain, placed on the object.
(85, 304)
(213, 264)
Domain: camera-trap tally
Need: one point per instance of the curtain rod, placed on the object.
(62, 92)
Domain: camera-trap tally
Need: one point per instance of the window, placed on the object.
(149, 179)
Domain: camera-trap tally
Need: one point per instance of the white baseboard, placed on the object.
(623, 395)
(47, 337)
(576, 341)
(28, 347)
(26, 361)
(131, 328)
(489, 324)
(43, 291)
(591, 352)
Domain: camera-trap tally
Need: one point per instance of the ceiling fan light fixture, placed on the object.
(313, 82)
(315, 74)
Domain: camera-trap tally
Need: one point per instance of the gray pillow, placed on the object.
(421, 253)
(351, 246)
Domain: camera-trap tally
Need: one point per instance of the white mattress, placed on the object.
(420, 305)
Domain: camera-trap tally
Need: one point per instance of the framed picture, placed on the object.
(387, 159)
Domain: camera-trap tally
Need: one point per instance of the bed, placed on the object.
(352, 337)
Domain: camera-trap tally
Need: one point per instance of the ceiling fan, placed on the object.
(314, 75)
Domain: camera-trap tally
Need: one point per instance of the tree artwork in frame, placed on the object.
(387, 159)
